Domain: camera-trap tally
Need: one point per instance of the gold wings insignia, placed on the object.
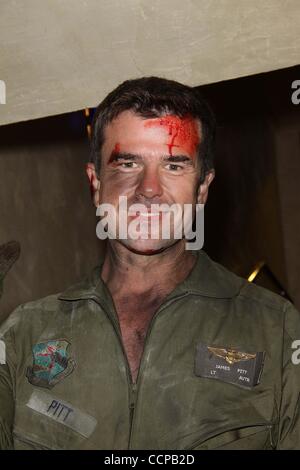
(231, 355)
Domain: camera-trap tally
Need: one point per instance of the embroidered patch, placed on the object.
(51, 363)
(62, 412)
(229, 365)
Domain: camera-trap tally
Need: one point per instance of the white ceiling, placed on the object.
(58, 56)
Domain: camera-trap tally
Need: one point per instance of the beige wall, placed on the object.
(58, 56)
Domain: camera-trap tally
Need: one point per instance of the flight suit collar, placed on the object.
(210, 279)
(207, 278)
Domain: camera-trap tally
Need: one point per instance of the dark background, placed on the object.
(252, 214)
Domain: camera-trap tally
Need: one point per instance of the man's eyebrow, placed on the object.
(178, 159)
(116, 156)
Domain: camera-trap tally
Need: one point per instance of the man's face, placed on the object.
(150, 161)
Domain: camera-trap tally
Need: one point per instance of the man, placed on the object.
(160, 348)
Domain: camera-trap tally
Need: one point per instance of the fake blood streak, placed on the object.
(115, 152)
(182, 130)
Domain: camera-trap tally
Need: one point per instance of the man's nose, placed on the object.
(149, 185)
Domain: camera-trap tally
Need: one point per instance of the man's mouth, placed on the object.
(148, 214)
(148, 217)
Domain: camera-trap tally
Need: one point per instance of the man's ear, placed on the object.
(94, 183)
(203, 188)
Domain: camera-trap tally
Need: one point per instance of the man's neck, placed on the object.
(127, 273)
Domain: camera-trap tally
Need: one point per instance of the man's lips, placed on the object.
(145, 216)
(148, 214)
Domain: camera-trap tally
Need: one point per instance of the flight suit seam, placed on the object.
(282, 369)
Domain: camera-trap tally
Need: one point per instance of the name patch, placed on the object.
(229, 365)
(62, 412)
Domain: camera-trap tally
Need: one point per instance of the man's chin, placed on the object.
(147, 247)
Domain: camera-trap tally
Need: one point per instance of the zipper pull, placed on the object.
(132, 396)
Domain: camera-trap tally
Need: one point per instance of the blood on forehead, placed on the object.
(183, 132)
(115, 151)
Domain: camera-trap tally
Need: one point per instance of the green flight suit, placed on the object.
(65, 381)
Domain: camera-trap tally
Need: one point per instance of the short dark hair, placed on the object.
(151, 97)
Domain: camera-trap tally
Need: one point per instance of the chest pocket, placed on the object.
(251, 437)
(238, 427)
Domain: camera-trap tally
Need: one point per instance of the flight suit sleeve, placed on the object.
(7, 390)
(289, 422)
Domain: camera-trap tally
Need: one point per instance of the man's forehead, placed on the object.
(186, 126)
(130, 132)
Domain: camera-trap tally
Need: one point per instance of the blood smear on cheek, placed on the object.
(183, 132)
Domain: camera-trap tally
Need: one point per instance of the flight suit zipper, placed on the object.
(132, 400)
(135, 385)
(130, 383)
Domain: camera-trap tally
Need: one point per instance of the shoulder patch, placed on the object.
(51, 363)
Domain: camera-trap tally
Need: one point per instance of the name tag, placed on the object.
(229, 365)
(62, 412)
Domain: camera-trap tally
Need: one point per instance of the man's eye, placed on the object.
(173, 167)
(128, 165)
